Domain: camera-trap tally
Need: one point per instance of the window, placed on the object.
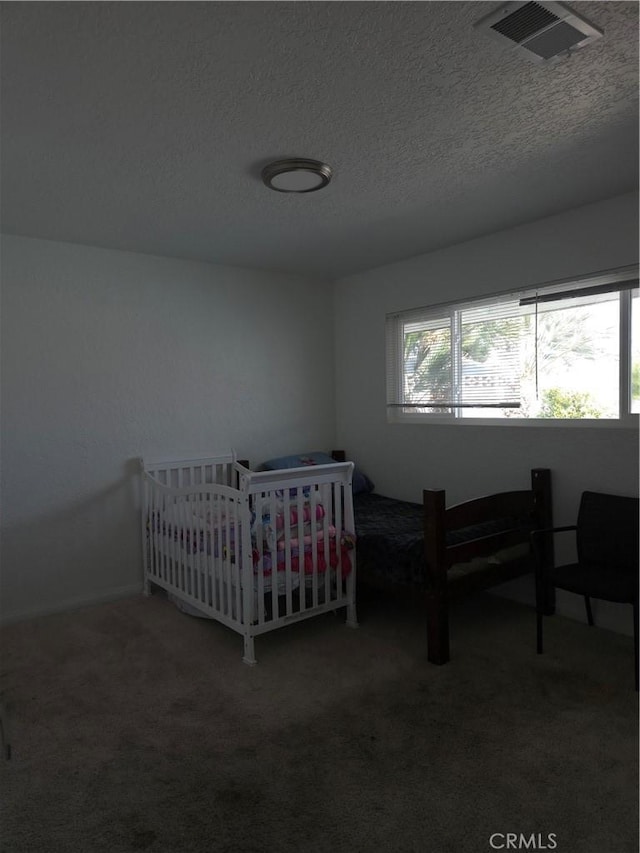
(635, 353)
(568, 351)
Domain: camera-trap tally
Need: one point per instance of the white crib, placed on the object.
(253, 550)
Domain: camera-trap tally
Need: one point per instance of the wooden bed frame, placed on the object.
(442, 585)
(534, 503)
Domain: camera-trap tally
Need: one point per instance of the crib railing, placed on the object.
(301, 521)
(195, 538)
(193, 472)
(276, 549)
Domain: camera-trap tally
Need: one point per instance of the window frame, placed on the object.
(626, 419)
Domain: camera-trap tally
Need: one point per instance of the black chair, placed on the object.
(607, 536)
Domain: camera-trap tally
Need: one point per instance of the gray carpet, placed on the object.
(135, 727)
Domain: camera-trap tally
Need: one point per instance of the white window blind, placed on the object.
(556, 351)
(466, 356)
(490, 355)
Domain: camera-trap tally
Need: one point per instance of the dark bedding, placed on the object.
(389, 542)
(390, 538)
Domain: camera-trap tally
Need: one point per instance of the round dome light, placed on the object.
(296, 175)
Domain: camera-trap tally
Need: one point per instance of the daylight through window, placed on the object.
(562, 352)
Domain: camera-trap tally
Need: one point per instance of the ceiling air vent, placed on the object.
(544, 32)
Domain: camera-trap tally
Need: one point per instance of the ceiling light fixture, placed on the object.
(296, 175)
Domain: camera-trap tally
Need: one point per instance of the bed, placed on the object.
(252, 550)
(445, 552)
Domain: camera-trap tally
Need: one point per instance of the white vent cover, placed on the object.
(544, 32)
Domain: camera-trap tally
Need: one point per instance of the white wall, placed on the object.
(108, 356)
(469, 460)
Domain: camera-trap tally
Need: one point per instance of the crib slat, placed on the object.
(314, 503)
(206, 570)
(337, 503)
(324, 540)
(273, 515)
(260, 569)
(288, 563)
(225, 577)
(163, 500)
(299, 533)
(198, 564)
(284, 556)
(170, 533)
(159, 533)
(196, 561)
(238, 554)
(149, 528)
(225, 526)
(311, 552)
(209, 573)
(217, 581)
(183, 544)
(179, 540)
(218, 545)
(186, 553)
(171, 524)
(211, 581)
(190, 554)
(228, 557)
(206, 549)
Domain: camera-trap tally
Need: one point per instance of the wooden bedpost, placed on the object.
(543, 520)
(434, 504)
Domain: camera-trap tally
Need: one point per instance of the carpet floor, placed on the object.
(136, 727)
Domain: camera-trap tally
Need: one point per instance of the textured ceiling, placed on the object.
(144, 126)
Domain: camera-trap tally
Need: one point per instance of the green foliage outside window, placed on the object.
(635, 381)
(557, 403)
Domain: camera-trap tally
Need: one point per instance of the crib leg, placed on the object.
(146, 589)
(249, 656)
(352, 619)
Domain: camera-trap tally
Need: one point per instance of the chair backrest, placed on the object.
(608, 530)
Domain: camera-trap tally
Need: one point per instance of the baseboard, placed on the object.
(612, 617)
(607, 615)
(71, 604)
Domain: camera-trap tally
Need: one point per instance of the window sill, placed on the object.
(630, 422)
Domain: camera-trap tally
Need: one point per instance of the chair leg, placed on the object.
(539, 618)
(635, 639)
(587, 604)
